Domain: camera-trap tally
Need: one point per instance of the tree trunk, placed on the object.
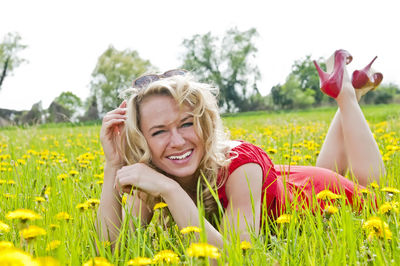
(3, 75)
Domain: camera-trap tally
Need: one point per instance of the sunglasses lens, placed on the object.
(174, 72)
(144, 81)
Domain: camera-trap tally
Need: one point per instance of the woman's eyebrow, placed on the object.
(162, 126)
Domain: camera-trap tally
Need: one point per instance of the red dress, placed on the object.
(299, 182)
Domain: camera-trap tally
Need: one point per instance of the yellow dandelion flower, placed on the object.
(11, 182)
(189, 229)
(5, 245)
(4, 227)
(47, 191)
(377, 228)
(327, 195)
(15, 256)
(124, 199)
(99, 176)
(62, 177)
(73, 172)
(98, 261)
(9, 196)
(244, 245)
(63, 216)
(100, 182)
(82, 206)
(307, 157)
(387, 208)
(365, 191)
(271, 150)
(39, 199)
(93, 202)
(330, 210)
(54, 226)
(203, 250)
(32, 232)
(53, 245)
(47, 261)
(284, 219)
(160, 205)
(140, 261)
(23, 215)
(391, 190)
(105, 243)
(374, 185)
(167, 256)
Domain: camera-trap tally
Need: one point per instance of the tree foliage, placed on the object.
(385, 93)
(290, 95)
(69, 100)
(304, 70)
(9, 59)
(70, 103)
(228, 64)
(114, 72)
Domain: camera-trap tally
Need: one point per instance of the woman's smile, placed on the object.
(169, 131)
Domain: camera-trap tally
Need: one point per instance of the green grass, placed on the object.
(40, 162)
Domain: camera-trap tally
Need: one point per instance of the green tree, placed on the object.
(385, 93)
(9, 59)
(290, 95)
(304, 70)
(229, 65)
(69, 101)
(114, 72)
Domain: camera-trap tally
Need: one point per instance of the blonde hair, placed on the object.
(207, 124)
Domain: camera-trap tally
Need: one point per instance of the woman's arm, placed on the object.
(185, 212)
(109, 211)
(244, 184)
(109, 214)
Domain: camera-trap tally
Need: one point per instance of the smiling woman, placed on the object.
(168, 135)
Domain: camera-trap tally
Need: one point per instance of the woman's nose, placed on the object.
(177, 138)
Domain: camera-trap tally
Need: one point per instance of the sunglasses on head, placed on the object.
(145, 80)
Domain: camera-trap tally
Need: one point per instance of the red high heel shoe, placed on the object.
(331, 84)
(363, 78)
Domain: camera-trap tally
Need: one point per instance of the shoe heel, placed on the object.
(378, 77)
(331, 84)
(360, 78)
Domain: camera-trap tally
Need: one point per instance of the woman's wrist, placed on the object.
(169, 189)
(112, 166)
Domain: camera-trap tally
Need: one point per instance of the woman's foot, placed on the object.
(332, 81)
(366, 79)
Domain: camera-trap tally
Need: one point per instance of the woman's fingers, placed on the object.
(113, 116)
(112, 123)
(123, 104)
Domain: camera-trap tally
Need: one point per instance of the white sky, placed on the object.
(65, 38)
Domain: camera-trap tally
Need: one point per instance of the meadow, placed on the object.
(51, 178)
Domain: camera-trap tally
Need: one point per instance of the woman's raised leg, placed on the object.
(333, 153)
(360, 147)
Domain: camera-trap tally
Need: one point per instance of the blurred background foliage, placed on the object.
(227, 62)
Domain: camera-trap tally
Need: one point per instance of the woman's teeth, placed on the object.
(181, 157)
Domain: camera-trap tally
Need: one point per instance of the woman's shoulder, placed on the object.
(243, 152)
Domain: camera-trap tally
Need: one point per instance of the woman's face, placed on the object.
(169, 131)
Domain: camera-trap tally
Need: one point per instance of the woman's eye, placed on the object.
(188, 124)
(157, 133)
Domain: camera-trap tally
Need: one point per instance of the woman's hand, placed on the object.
(110, 135)
(143, 178)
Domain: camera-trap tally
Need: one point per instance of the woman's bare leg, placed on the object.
(360, 147)
(365, 160)
(333, 154)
